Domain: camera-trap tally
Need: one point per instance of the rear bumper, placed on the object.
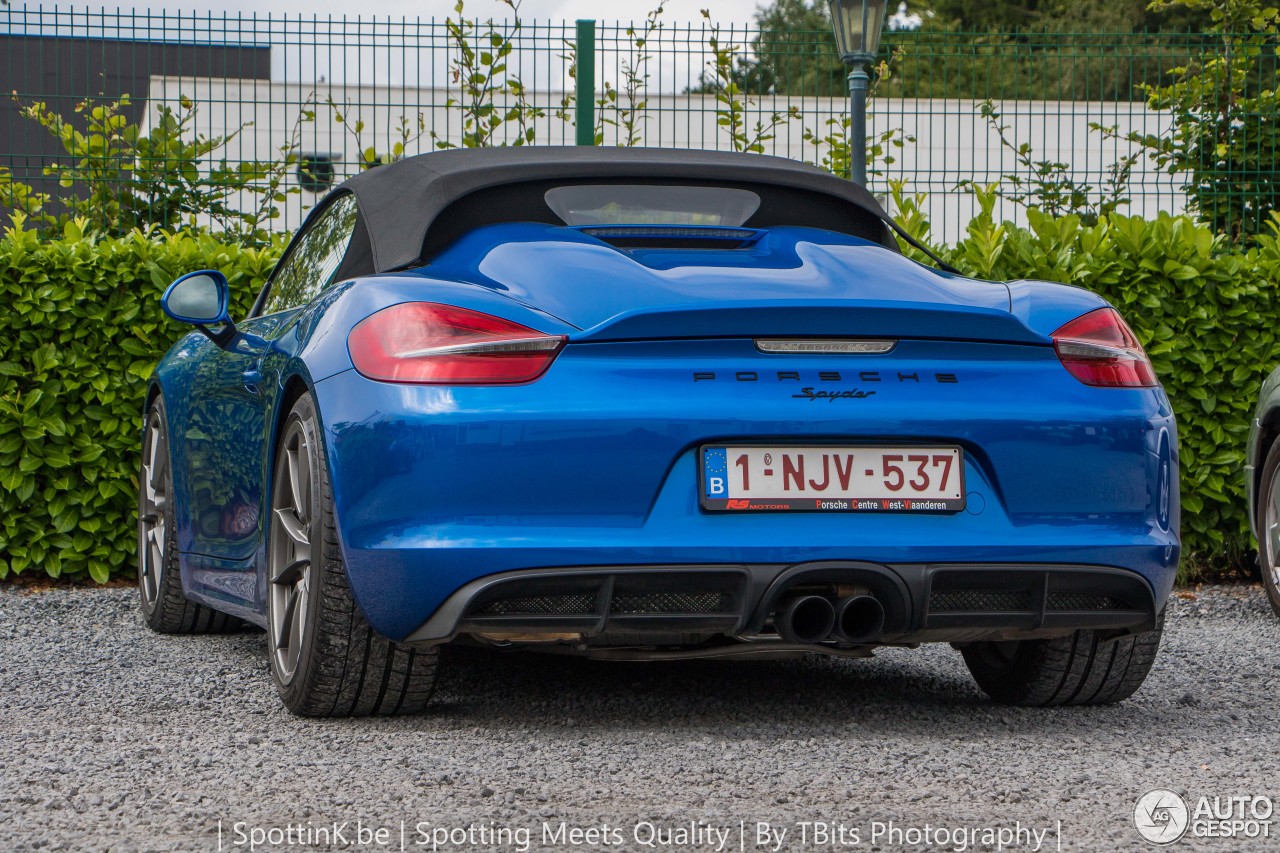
(596, 465)
(922, 602)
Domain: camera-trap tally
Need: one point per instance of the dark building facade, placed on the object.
(61, 71)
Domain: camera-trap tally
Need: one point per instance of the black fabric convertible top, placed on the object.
(401, 203)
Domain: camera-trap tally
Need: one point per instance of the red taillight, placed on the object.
(1100, 349)
(442, 345)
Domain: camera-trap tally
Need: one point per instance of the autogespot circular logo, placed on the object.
(1161, 816)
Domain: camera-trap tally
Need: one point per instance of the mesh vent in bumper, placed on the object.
(946, 601)
(541, 605)
(949, 601)
(1035, 597)
(585, 604)
(673, 602)
(623, 601)
(1082, 601)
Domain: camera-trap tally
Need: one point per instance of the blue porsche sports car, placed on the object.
(648, 405)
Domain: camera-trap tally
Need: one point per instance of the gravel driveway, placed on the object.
(112, 738)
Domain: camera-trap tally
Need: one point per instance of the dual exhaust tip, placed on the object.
(809, 619)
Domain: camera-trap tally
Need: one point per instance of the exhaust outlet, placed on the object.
(859, 619)
(805, 619)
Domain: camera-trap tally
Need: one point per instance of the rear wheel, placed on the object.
(325, 659)
(1079, 669)
(164, 607)
(1268, 509)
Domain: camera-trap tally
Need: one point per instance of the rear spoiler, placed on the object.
(816, 319)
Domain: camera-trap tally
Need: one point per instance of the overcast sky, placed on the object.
(311, 54)
(682, 11)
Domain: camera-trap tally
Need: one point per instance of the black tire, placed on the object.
(164, 607)
(1267, 508)
(332, 664)
(1076, 670)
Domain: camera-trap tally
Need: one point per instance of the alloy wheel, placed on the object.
(289, 556)
(152, 530)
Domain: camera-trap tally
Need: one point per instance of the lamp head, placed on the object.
(857, 25)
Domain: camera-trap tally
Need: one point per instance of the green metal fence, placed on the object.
(301, 102)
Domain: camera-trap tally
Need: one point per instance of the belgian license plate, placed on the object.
(832, 479)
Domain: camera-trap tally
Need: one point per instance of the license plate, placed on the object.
(832, 479)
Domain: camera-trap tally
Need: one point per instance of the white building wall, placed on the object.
(953, 143)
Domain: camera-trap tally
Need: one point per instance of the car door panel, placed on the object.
(235, 391)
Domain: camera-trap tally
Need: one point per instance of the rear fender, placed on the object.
(1044, 307)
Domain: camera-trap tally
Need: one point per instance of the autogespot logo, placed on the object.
(1161, 816)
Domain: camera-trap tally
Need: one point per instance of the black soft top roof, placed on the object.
(399, 203)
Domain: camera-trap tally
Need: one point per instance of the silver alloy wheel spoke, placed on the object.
(298, 482)
(289, 552)
(291, 573)
(304, 593)
(151, 511)
(286, 621)
(1273, 532)
(294, 527)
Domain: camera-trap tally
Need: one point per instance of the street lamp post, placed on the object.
(857, 25)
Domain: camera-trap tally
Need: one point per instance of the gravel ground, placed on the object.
(112, 738)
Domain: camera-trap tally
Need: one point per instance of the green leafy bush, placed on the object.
(80, 330)
(1050, 186)
(119, 178)
(1205, 311)
(1225, 112)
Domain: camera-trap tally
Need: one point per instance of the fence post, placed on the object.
(586, 83)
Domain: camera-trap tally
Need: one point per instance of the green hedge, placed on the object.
(80, 330)
(81, 327)
(1206, 312)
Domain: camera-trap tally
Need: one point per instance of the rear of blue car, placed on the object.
(818, 445)
(648, 405)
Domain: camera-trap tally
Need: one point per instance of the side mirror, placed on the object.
(202, 299)
(199, 297)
